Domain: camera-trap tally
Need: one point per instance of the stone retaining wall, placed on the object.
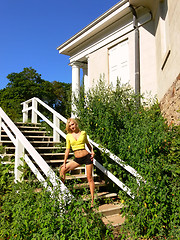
(170, 104)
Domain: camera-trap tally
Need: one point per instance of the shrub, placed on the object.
(27, 214)
(140, 136)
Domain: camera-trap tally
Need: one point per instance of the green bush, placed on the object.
(27, 214)
(140, 136)
(6, 179)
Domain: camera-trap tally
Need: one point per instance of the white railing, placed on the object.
(56, 137)
(23, 148)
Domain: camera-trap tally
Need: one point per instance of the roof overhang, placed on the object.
(109, 17)
(150, 4)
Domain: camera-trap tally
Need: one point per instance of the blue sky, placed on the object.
(30, 32)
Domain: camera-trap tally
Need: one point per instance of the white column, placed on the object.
(85, 77)
(75, 85)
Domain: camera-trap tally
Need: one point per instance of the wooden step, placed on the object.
(86, 185)
(27, 124)
(47, 148)
(49, 138)
(6, 142)
(31, 127)
(35, 132)
(29, 137)
(55, 154)
(46, 142)
(78, 176)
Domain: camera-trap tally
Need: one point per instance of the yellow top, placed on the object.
(78, 144)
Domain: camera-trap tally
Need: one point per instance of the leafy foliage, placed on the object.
(28, 84)
(27, 214)
(140, 136)
(6, 180)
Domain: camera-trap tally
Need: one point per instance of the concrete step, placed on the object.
(101, 195)
(115, 220)
(111, 208)
(105, 195)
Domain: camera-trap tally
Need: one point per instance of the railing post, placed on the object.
(19, 154)
(25, 112)
(34, 114)
(56, 121)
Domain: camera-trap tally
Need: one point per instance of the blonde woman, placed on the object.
(76, 139)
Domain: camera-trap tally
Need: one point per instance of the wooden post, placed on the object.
(34, 114)
(19, 154)
(56, 121)
(25, 114)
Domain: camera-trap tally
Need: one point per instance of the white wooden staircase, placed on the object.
(53, 153)
(44, 154)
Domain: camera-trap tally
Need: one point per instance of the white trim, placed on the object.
(95, 26)
(104, 41)
(111, 37)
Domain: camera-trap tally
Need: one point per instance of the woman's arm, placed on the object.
(66, 156)
(91, 149)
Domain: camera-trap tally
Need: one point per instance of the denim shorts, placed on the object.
(84, 160)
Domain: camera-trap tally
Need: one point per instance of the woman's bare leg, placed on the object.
(89, 169)
(69, 166)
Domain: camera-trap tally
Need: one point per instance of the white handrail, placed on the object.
(96, 163)
(21, 140)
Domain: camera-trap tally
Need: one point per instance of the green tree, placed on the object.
(28, 84)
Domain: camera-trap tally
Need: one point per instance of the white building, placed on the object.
(135, 40)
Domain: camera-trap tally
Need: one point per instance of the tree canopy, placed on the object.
(28, 84)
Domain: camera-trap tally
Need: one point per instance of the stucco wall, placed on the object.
(98, 61)
(98, 65)
(166, 76)
(148, 59)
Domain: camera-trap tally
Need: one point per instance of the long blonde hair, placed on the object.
(67, 124)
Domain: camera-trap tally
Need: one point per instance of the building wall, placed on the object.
(170, 103)
(168, 56)
(98, 66)
(148, 60)
(98, 61)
